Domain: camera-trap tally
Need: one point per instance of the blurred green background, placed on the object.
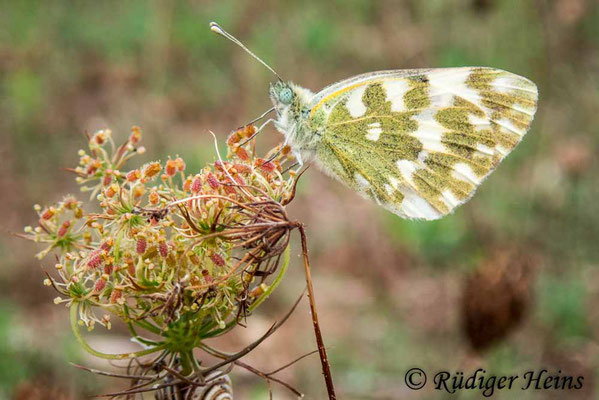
(509, 282)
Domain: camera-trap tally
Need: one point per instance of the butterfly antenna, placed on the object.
(216, 28)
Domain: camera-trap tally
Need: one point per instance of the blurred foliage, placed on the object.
(68, 67)
(24, 364)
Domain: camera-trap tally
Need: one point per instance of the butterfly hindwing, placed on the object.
(420, 142)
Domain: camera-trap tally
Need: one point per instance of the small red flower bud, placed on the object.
(180, 164)
(115, 295)
(217, 259)
(239, 180)
(212, 181)
(187, 184)
(135, 136)
(230, 189)
(194, 259)
(196, 186)
(241, 153)
(107, 179)
(108, 268)
(130, 266)
(109, 192)
(99, 285)
(95, 259)
(99, 137)
(91, 169)
(266, 166)
(138, 191)
(235, 137)
(219, 166)
(242, 168)
(134, 175)
(171, 167)
(154, 198)
(70, 203)
(207, 276)
(163, 249)
(63, 229)
(141, 245)
(152, 169)
(107, 245)
(249, 130)
(48, 213)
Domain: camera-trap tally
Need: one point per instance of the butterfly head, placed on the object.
(282, 96)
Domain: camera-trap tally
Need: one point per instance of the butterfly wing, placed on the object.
(420, 142)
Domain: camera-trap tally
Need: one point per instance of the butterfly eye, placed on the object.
(286, 95)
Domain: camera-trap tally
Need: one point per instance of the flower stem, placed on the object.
(73, 317)
(275, 283)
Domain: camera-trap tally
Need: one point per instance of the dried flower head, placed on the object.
(184, 257)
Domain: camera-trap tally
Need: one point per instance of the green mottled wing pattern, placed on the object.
(420, 142)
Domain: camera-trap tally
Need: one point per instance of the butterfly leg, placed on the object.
(260, 117)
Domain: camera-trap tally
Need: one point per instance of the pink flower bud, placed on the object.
(196, 186)
(135, 136)
(217, 259)
(63, 229)
(163, 249)
(180, 164)
(95, 259)
(99, 285)
(212, 181)
(141, 245)
(171, 167)
(115, 295)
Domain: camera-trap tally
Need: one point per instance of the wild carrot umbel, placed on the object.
(181, 256)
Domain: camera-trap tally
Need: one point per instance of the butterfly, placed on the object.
(418, 142)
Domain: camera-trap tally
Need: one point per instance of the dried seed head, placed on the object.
(141, 250)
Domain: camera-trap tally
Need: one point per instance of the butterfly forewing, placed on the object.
(420, 142)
